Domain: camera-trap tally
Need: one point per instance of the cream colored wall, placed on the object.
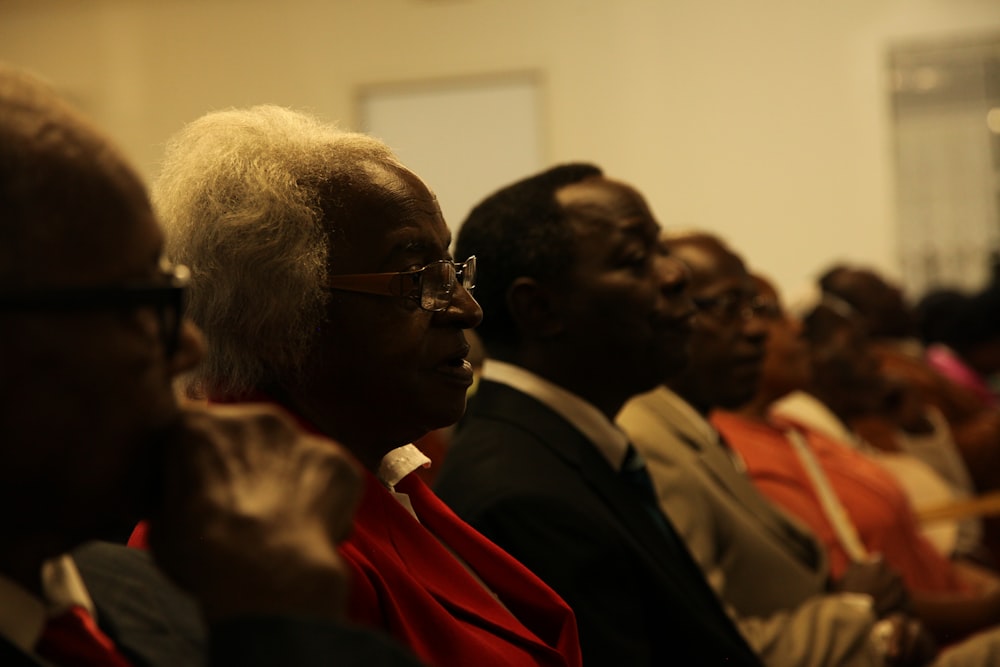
(765, 120)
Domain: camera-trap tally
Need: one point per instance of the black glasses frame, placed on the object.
(730, 307)
(167, 299)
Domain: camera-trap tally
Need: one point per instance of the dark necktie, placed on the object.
(72, 639)
(634, 472)
(699, 594)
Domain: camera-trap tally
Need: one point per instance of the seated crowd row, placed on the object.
(659, 463)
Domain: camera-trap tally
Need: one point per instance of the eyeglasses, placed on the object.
(166, 298)
(731, 306)
(432, 286)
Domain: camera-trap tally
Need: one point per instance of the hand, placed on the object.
(252, 510)
(904, 642)
(878, 580)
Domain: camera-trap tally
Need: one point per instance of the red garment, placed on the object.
(405, 583)
(72, 639)
(434, 445)
(876, 504)
(139, 539)
(408, 584)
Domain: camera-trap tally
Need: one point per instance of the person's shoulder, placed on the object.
(507, 455)
(144, 612)
(498, 439)
(301, 642)
(487, 438)
(111, 571)
(476, 478)
(102, 558)
(659, 420)
(11, 656)
(500, 471)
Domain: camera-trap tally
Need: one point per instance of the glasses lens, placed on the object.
(171, 314)
(469, 274)
(437, 284)
(171, 310)
(439, 280)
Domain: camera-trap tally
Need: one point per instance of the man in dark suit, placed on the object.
(583, 308)
(246, 511)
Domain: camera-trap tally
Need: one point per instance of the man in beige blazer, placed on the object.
(767, 568)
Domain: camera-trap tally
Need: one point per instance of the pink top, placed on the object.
(944, 360)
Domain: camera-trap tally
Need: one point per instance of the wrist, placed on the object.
(307, 579)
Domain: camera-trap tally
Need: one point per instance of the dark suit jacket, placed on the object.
(157, 625)
(536, 486)
(275, 642)
(150, 620)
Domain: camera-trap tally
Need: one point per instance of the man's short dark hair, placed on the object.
(520, 230)
(958, 319)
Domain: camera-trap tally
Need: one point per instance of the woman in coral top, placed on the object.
(852, 503)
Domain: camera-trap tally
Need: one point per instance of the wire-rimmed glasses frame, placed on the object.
(731, 307)
(167, 299)
(432, 286)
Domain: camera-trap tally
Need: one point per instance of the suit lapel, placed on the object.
(673, 572)
(660, 541)
(151, 621)
(739, 486)
(713, 455)
(667, 553)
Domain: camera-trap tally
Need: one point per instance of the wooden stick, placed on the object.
(987, 504)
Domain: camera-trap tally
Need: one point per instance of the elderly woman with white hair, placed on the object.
(321, 276)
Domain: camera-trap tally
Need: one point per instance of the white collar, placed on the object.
(23, 614)
(399, 463)
(396, 465)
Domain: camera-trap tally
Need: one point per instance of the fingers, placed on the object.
(248, 495)
(903, 641)
(333, 482)
(253, 461)
(881, 582)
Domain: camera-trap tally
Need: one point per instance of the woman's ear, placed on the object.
(534, 309)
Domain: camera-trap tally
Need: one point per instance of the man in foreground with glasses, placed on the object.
(584, 310)
(244, 509)
(321, 274)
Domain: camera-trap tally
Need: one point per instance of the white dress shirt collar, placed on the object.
(396, 465)
(23, 615)
(399, 463)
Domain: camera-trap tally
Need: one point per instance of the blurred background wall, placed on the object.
(771, 122)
